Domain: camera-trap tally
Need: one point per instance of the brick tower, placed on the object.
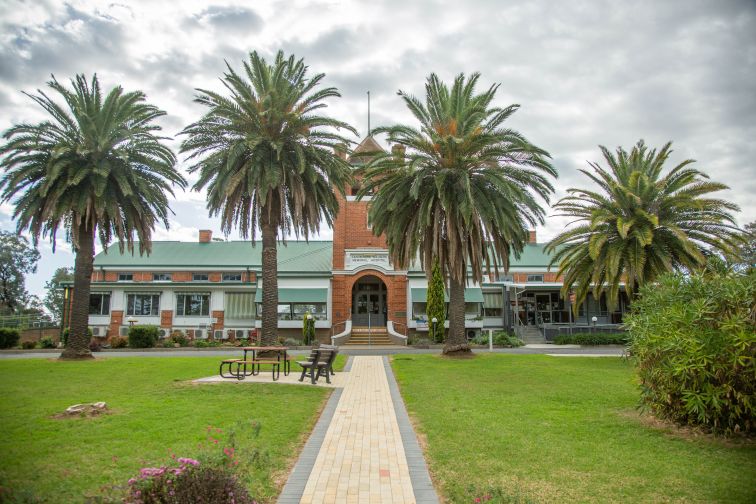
(366, 287)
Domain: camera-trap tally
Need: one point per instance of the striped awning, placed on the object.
(239, 305)
(493, 299)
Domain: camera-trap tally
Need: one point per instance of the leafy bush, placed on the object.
(118, 342)
(421, 341)
(179, 337)
(189, 482)
(9, 337)
(592, 339)
(143, 336)
(500, 338)
(28, 345)
(694, 339)
(201, 343)
(67, 330)
(46, 342)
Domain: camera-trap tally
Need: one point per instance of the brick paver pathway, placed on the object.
(362, 458)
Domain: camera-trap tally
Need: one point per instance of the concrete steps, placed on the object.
(375, 336)
(530, 335)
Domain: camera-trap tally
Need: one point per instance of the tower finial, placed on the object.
(368, 93)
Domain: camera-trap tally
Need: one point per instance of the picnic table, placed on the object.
(251, 366)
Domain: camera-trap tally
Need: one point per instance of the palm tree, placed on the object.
(639, 224)
(268, 159)
(464, 191)
(95, 168)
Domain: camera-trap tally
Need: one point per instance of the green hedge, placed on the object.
(9, 337)
(500, 338)
(694, 340)
(592, 339)
(143, 336)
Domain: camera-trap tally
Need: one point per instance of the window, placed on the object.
(317, 310)
(284, 312)
(143, 304)
(161, 277)
(535, 278)
(493, 303)
(199, 277)
(193, 304)
(232, 277)
(125, 277)
(99, 303)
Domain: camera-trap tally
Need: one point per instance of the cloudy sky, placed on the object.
(586, 73)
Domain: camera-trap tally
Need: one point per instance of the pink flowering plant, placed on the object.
(212, 477)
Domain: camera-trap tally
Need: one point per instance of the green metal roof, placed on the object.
(299, 257)
(472, 295)
(294, 256)
(299, 295)
(533, 255)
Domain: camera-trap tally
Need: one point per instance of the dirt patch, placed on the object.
(83, 411)
(685, 432)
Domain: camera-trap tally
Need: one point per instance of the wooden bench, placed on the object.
(320, 363)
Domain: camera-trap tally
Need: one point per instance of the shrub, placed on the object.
(592, 339)
(189, 482)
(421, 341)
(291, 342)
(179, 337)
(500, 338)
(28, 345)
(67, 330)
(46, 342)
(694, 339)
(9, 337)
(144, 336)
(118, 342)
(201, 343)
(94, 346)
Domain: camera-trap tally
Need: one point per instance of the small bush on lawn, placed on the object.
(46, 342)
(189, 482)
(144, 336)
(499, 338)
(694, 339)
(178, 337)
(28, 345)
(118, 342)
(215, 476)
(592, 339)
(9, 337)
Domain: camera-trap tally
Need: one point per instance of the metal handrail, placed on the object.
(334, 326)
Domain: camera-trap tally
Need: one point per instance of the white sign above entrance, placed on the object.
(354, 259)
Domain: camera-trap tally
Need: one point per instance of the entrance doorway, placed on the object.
(369, 302)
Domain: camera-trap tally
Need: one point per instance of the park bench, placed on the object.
(319, 363)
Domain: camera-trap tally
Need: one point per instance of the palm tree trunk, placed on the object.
(269, 333)
(456, 340)
(77, 346)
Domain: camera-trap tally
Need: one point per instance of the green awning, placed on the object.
(472, 295)
(239, 305)
(294, 295)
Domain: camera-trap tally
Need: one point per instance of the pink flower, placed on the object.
(132, 481)
(477, 499)
(188, 461)
(148, 472)
(229, 451)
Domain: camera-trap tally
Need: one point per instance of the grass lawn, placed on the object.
(547, 429)
(154, 412)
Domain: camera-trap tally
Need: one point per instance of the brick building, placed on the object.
(212, 288)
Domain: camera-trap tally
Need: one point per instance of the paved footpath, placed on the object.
(359, 452)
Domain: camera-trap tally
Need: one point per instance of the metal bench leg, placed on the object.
(276, 372)
(304, 372)
(312, 375)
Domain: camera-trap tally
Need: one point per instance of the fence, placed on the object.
(26, 322)
(551, 331)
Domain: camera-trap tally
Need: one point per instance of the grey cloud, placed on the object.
(237, 20)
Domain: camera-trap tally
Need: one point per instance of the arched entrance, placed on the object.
(369, 302)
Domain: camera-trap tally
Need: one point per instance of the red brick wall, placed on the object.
(166, 319)
(111, 276)
(548, 276)
(350, 230)
(182, 276)
(116, 321)
(396, 291)
(143, 276)
(215, 276)
(219, 315)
